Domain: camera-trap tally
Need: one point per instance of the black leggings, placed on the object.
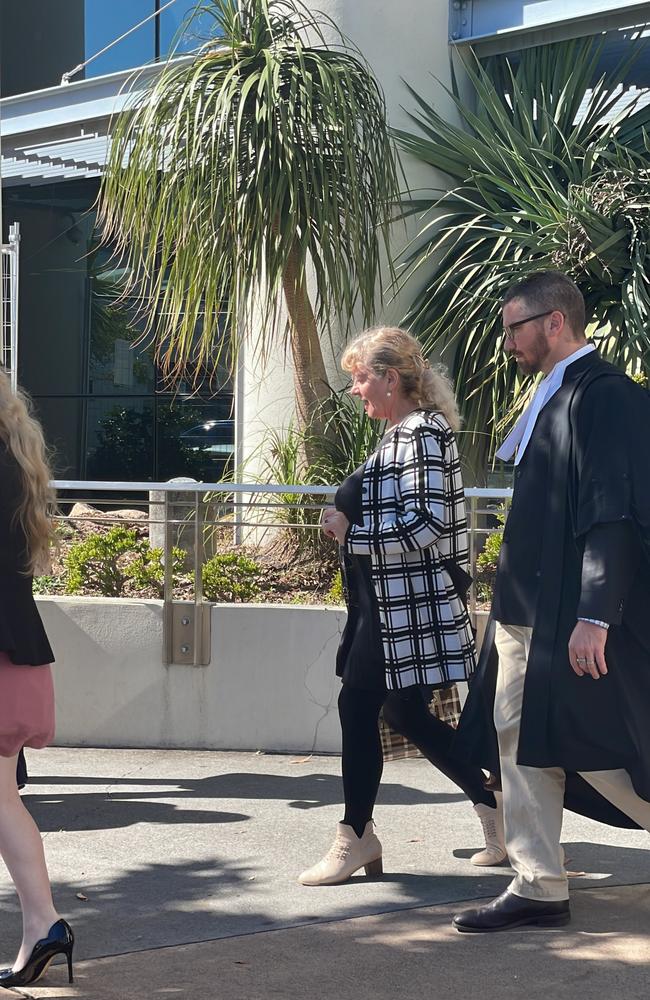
(406, 712)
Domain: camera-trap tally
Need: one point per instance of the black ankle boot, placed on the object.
(59, 941)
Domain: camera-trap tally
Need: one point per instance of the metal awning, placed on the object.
(63, 133)
(78, 156)
(493, 26)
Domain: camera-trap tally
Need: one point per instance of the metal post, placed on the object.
(168, 585)
(240, 403)
(186, 624)
(199, 609)
(473, 520)
(14, 258)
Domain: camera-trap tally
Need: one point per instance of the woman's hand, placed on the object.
(334, 524)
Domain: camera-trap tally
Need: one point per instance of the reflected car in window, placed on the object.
(215, 437)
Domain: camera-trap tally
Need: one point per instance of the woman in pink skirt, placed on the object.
(26, 695)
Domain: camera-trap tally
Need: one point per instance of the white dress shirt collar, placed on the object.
(521, 433)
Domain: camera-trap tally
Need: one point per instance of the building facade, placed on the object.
(106, 410)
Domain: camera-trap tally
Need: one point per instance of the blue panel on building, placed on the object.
(104, 22)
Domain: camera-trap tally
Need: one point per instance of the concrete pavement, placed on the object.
(177, 870)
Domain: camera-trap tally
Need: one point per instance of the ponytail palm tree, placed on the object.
(257, 173)
(549, 169)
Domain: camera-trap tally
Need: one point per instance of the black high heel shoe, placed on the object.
(59, 941)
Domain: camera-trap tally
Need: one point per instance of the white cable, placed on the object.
(73, 72)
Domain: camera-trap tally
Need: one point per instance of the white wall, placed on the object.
(401, 41)
(270, 684)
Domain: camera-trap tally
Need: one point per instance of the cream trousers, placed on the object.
(533, 797)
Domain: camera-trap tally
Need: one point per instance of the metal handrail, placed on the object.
(236, 504)
(224, 487)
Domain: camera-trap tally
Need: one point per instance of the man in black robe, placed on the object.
(571, 604)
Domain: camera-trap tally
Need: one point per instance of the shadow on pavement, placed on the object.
(603, 953)
(113, 805)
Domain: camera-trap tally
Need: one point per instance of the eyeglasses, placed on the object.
(508, 331)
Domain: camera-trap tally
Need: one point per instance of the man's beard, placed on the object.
(537, 355)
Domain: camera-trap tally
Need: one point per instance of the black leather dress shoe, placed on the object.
(508, 910)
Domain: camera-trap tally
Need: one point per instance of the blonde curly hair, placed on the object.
(384, 347)
(23, 438)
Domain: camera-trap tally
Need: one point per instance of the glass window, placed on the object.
(119, 438)
(62, 421)
(106, 20)
(55, 231)
(117, 363)
(197, 378)
(171, 22)
(106, 409)
(195, 439)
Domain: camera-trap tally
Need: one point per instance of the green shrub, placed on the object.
(47, 584)
(348, 437)
(97, 563)
(147, 569)
(104, 562)
(486, 562)
(230, 578)
(335, 594)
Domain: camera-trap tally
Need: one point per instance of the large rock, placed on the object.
(86, 519)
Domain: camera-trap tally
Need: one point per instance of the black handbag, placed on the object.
(460, 578)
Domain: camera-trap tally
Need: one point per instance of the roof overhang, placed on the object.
(63, 132)
(494, 26)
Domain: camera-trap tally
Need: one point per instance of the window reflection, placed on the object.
(195, 439)
(171, 23)
(116, 360)
(106, 20)
(62, 420)
(106, 408)
(120, 438)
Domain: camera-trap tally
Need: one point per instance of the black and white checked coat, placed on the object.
(414, 517)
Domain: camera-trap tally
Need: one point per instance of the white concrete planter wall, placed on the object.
(270, 684)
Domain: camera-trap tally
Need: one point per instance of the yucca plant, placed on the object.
(235, 174)
(347, 438)
(550, 169)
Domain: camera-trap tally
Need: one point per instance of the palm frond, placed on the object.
(268, 146)
(549, 170)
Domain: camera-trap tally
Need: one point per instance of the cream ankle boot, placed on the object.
(492, 822)
(347, 854)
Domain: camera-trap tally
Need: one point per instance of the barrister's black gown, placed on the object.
(599, 473)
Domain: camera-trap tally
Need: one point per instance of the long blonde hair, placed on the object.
(384, 347)
(23, 438)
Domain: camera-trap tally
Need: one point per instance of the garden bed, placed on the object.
(278, 573)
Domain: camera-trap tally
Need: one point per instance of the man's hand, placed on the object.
(335, 524)
(587, 650)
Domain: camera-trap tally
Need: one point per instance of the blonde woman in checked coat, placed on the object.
(400, 523)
